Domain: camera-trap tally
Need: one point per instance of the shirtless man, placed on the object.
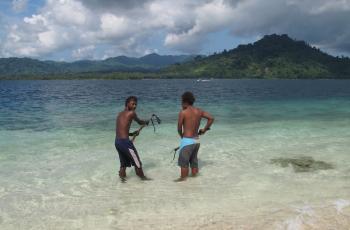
(127, 152)
(188, 129)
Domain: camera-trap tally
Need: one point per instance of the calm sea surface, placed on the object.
(277, 156)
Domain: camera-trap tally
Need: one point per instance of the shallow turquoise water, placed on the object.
(58, 164)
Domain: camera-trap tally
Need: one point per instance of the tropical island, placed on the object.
(272, 57)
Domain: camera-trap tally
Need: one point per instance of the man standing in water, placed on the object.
(127, 152)
(188, 129)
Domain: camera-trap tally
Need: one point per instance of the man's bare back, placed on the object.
(189, 121)
(188, 124)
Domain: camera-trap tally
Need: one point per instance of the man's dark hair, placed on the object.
(188, 98)
(131, 98)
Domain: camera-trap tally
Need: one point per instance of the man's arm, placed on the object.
(210, 120)
(139, 121)
(180, 124)
(134, 117)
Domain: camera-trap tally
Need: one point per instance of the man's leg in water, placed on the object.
(194, 161)
(139, 173)
(122, 173)
(184, 174)
(194, 171)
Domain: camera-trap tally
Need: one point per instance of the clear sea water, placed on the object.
(58, 163)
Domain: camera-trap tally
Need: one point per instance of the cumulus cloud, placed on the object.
(114, 4)
(59, 25)
(114, 27)
(209, 17)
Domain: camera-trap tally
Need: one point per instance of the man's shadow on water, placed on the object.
(149, 165)
(204, 163)
(152, 164)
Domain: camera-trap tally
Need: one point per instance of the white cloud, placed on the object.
(210, 17)
(13, 36)
(114, 27)
(174, 16)
(57, 26)
(86, 52)
(48, 38)
(36, 20)
(68, 12)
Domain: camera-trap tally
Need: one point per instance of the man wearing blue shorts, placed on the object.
(188, 129)
(128, 155)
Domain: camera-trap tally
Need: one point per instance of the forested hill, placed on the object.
(29, 67)
(274, 56)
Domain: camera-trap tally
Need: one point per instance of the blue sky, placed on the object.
(97, 29)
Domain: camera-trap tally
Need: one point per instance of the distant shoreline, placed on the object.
(158, 78)
(147, 75)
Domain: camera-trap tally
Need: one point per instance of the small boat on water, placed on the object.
(203, 80)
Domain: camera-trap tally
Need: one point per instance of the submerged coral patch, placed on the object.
(302, 164)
